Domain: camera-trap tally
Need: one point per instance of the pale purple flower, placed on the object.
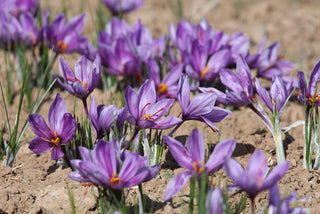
(256, 177)
(280, 93)
(214, 201)
(61, 131)
(85, 78)
(107, 167)
(16, 7)
(309, 93)
(192, 158)
(168, 86)
(145, 111)
(278, 205)
(65, 37)
(201, 107)
(102, 118)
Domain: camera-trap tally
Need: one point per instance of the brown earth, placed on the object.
(35, 184)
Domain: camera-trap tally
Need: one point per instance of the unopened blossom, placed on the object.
(102, 118)
(238, 44)
(83, 80)
(145, 112)
(201, 107)
(61, 131)
(309, 91)
(109, 168)
(193, 159)
(122, 6)
(255, 178)
(214, 201)
(65, 37)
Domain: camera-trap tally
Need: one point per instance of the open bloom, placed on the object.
(107, 167)
(201, 107)
(65, 37)
(85, 78)
(16, 7)
(62, 129)
(309, 93)
(256, 178)
(279, 94)
(192, 158)
(168, 87)
(145, 112)
(240, 85)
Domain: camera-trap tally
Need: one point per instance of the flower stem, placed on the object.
(85, 105)
(175, 129)
(277, 137)
(252, 205)
(136, 131)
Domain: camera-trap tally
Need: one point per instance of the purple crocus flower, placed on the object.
(145, 112)
(62, 129)
(168, 87)
(107, 167)
(256, 177)
(122, 6)
(309, 93)
(278, 205)
(65, 37)
(201, 108)
(279, 94)
(192, 158)
(269, 64)
(204, 66)
(16, 7)
(85, 78)
(214, 201)
(18, 31)
(102, 118)
(238, 44)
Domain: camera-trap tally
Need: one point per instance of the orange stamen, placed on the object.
(204, 71)
(56, 140)
(315, 98)
(196, 168)
(62, 46)
(149, 116)
(162, 88)
(114, 180)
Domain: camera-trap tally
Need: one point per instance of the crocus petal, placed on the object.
(85, 153)
(275, 175)
(257, 164)
(235, 171)
(147, 94)
(38, 145)
(68, 128)
(56, 153)
(145, 124)
(214, 201)
(263, 94)
(195, 146)
(201, 104)
(77, 176)
(167, 122)
(82, 69)
(184, 93)
(230, 79)
(128, 168)
(80, 90)
(274, 196)
(106, 155)
(244, 75)
(158, 109)
(278, 92)
(180, 154)
(314, 78)
(39, 126)
(132, 102)
(65, 69)
(94, 173)
(221, 152)
(57, 109)
(96, 73)
(176, 184)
